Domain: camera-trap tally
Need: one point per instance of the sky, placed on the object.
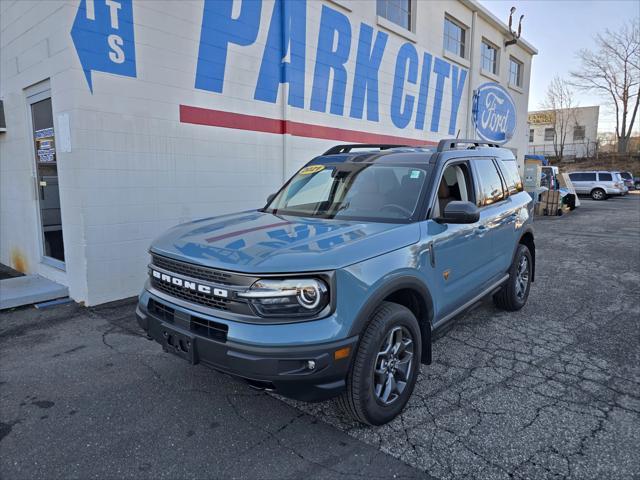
(558, 29)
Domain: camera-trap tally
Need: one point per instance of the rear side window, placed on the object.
(582, 177)
(491, 188)
(605, 177)
(512, 177)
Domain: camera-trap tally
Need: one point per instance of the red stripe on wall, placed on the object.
(240, 121)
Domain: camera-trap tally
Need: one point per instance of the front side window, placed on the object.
(351, 191)
(489, 57)
(578, 132)
(454, 37)
(491, 190)
(605, 177)
(515, 72)
(396, 11)
(511, 176)
(549, 134)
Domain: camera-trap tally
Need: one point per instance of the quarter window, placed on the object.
(549, 134)
(491, 189)
(454, 37)
(489, 57)
(515, 72)
(396, 11)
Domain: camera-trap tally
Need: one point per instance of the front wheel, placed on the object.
(514, 294)
(385, 367)
(598, 194)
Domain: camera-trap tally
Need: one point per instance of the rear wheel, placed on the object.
(385, 367)
(514, 294)
(598, 194)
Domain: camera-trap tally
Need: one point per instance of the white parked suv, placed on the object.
(600, 185)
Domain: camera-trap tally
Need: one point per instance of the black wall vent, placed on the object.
(3, 123)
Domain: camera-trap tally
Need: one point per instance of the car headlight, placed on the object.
(293, 297)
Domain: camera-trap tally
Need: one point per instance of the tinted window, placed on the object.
(490, 183)
(605, 177)
(589, 177)
(574, 176)
(512, 177)
(626, 175)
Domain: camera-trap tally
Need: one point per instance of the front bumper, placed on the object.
(284, 369)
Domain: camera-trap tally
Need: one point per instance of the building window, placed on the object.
(396, 11)
(454, 37)
(531, 135)
(489, 57)
(549, 134)
(515, 72)
(578, 133)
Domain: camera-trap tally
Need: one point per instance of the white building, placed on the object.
(125, 117)
(581, 138)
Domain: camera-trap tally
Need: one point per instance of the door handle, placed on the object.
(481, 230)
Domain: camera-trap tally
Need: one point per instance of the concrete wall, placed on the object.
(138, 166)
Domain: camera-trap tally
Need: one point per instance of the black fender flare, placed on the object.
(396, 284)
(527, 231)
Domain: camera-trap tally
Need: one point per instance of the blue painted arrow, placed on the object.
(102, 33)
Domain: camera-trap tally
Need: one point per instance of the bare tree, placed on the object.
(559, 101)
(613, 70)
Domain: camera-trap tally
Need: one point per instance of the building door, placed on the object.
(47, 179)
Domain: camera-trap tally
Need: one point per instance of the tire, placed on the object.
(513, 295)
(571, 201)
(598, 194)
(389, 321)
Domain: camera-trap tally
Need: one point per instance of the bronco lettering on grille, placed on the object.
(189, 285)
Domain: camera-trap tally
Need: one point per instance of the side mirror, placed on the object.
(460, 212)
(271, 197)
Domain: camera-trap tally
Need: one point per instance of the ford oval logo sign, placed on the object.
(494, 113)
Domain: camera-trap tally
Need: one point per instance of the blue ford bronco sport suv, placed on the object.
(335, 286)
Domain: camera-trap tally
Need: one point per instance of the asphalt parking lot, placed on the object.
(552, 391)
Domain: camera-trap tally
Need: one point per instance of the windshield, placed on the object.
(352, 191)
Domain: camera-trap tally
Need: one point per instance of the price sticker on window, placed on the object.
(311, 169)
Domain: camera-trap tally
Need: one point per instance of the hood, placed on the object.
(257, 242)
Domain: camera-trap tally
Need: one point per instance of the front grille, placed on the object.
(207, 328)
(191, 296)
(194, 271)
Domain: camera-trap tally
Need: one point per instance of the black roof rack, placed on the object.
(451, 143)
(347, 147)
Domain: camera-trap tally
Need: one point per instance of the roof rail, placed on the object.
(451, 143)
(347, 147)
